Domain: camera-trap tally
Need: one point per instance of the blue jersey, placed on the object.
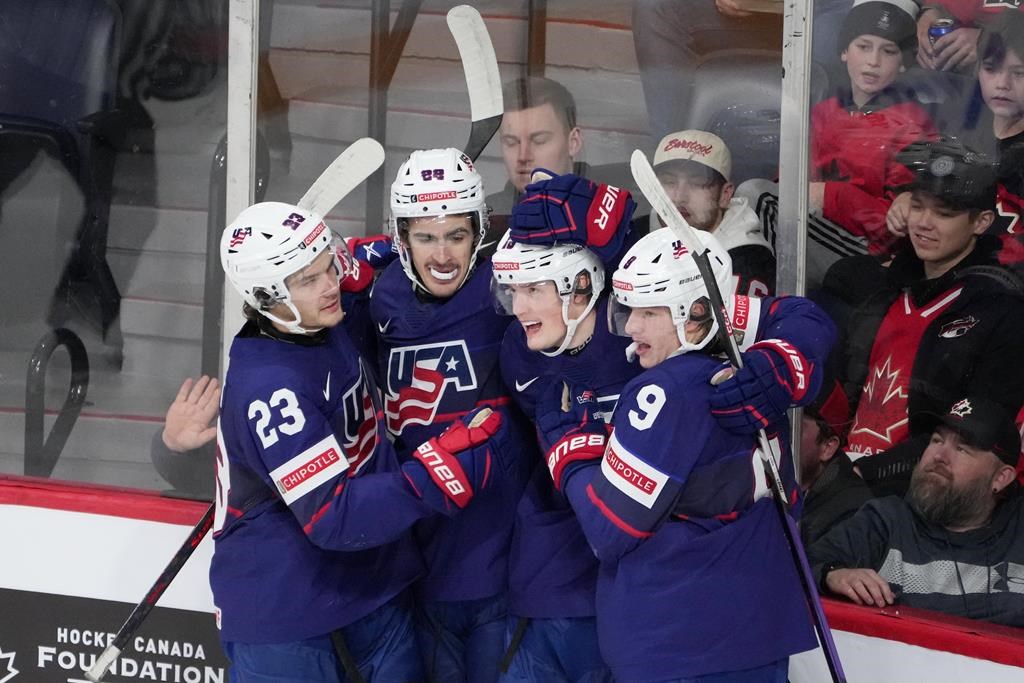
(687, 593)
(313, 512)
(552, 571)
(552, 568)
(438, 360)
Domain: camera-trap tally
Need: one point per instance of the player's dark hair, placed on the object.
(534, 91)
(1005, 33)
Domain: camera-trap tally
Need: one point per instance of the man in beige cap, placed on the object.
(693, 167)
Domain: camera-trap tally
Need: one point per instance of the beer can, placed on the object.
(939, 28)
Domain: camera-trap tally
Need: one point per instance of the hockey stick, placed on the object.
(344, 174)
(482, 77)
(106, 659)
(648, 183)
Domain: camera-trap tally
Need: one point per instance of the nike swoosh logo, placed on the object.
(520, 387)
(383, 327)
(327, 387)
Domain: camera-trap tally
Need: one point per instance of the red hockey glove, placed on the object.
(370, 255)
(572, 437)
(449, 468)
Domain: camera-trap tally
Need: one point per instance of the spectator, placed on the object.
(947, 319)
(693, 167)
(183, 451)
(958, 49)
(955, 544)
(1001, 81)
(856, 136)
(538, 130)
(671, 36)
(833, 490)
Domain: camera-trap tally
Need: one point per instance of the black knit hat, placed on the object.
(893, 21)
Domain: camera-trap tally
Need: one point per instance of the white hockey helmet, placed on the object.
(659, 271)
(564, 264)
(265, 244)
(437, 182)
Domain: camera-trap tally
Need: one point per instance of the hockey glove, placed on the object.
(370, 255)
(569, 208)
(447, 469)
(569, 432)
(775, 376)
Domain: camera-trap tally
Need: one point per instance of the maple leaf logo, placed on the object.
(883, 376)
(11, 671)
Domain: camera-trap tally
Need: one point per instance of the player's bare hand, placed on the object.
(189, 421)
(957, 50)
(898, 215)
(862, 586)
(731, 8)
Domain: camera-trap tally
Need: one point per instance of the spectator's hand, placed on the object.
(731, 8)
(925, 53)
(957, 50)
(862, 586)
(898, 214)
(816, 197)
(188, 422)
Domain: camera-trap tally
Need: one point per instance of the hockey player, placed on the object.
(438, 341)
(312, 555)
(695, 580)
(556, 292)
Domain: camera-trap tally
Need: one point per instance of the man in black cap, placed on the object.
(955, 543)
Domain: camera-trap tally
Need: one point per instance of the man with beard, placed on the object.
(955, 544)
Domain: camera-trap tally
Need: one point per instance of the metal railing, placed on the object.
(41, 451)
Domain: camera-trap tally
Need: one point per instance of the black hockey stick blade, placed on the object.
(127, 631)
(483, 80)
(651, 188)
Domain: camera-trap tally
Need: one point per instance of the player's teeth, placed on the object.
(444, 276)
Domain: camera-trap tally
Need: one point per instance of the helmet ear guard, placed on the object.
(659, 271)
(572, 268)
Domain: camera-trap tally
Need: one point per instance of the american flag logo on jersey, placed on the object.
(360, 433)
(419, 376)
(238, 236)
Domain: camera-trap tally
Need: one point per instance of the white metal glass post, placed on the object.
(794, 143)
(243, 47)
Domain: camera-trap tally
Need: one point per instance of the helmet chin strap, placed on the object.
(291, 326)
(571, 325)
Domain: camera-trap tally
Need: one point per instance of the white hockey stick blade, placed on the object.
(647, 180)
(353, 166)
(478, 60)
